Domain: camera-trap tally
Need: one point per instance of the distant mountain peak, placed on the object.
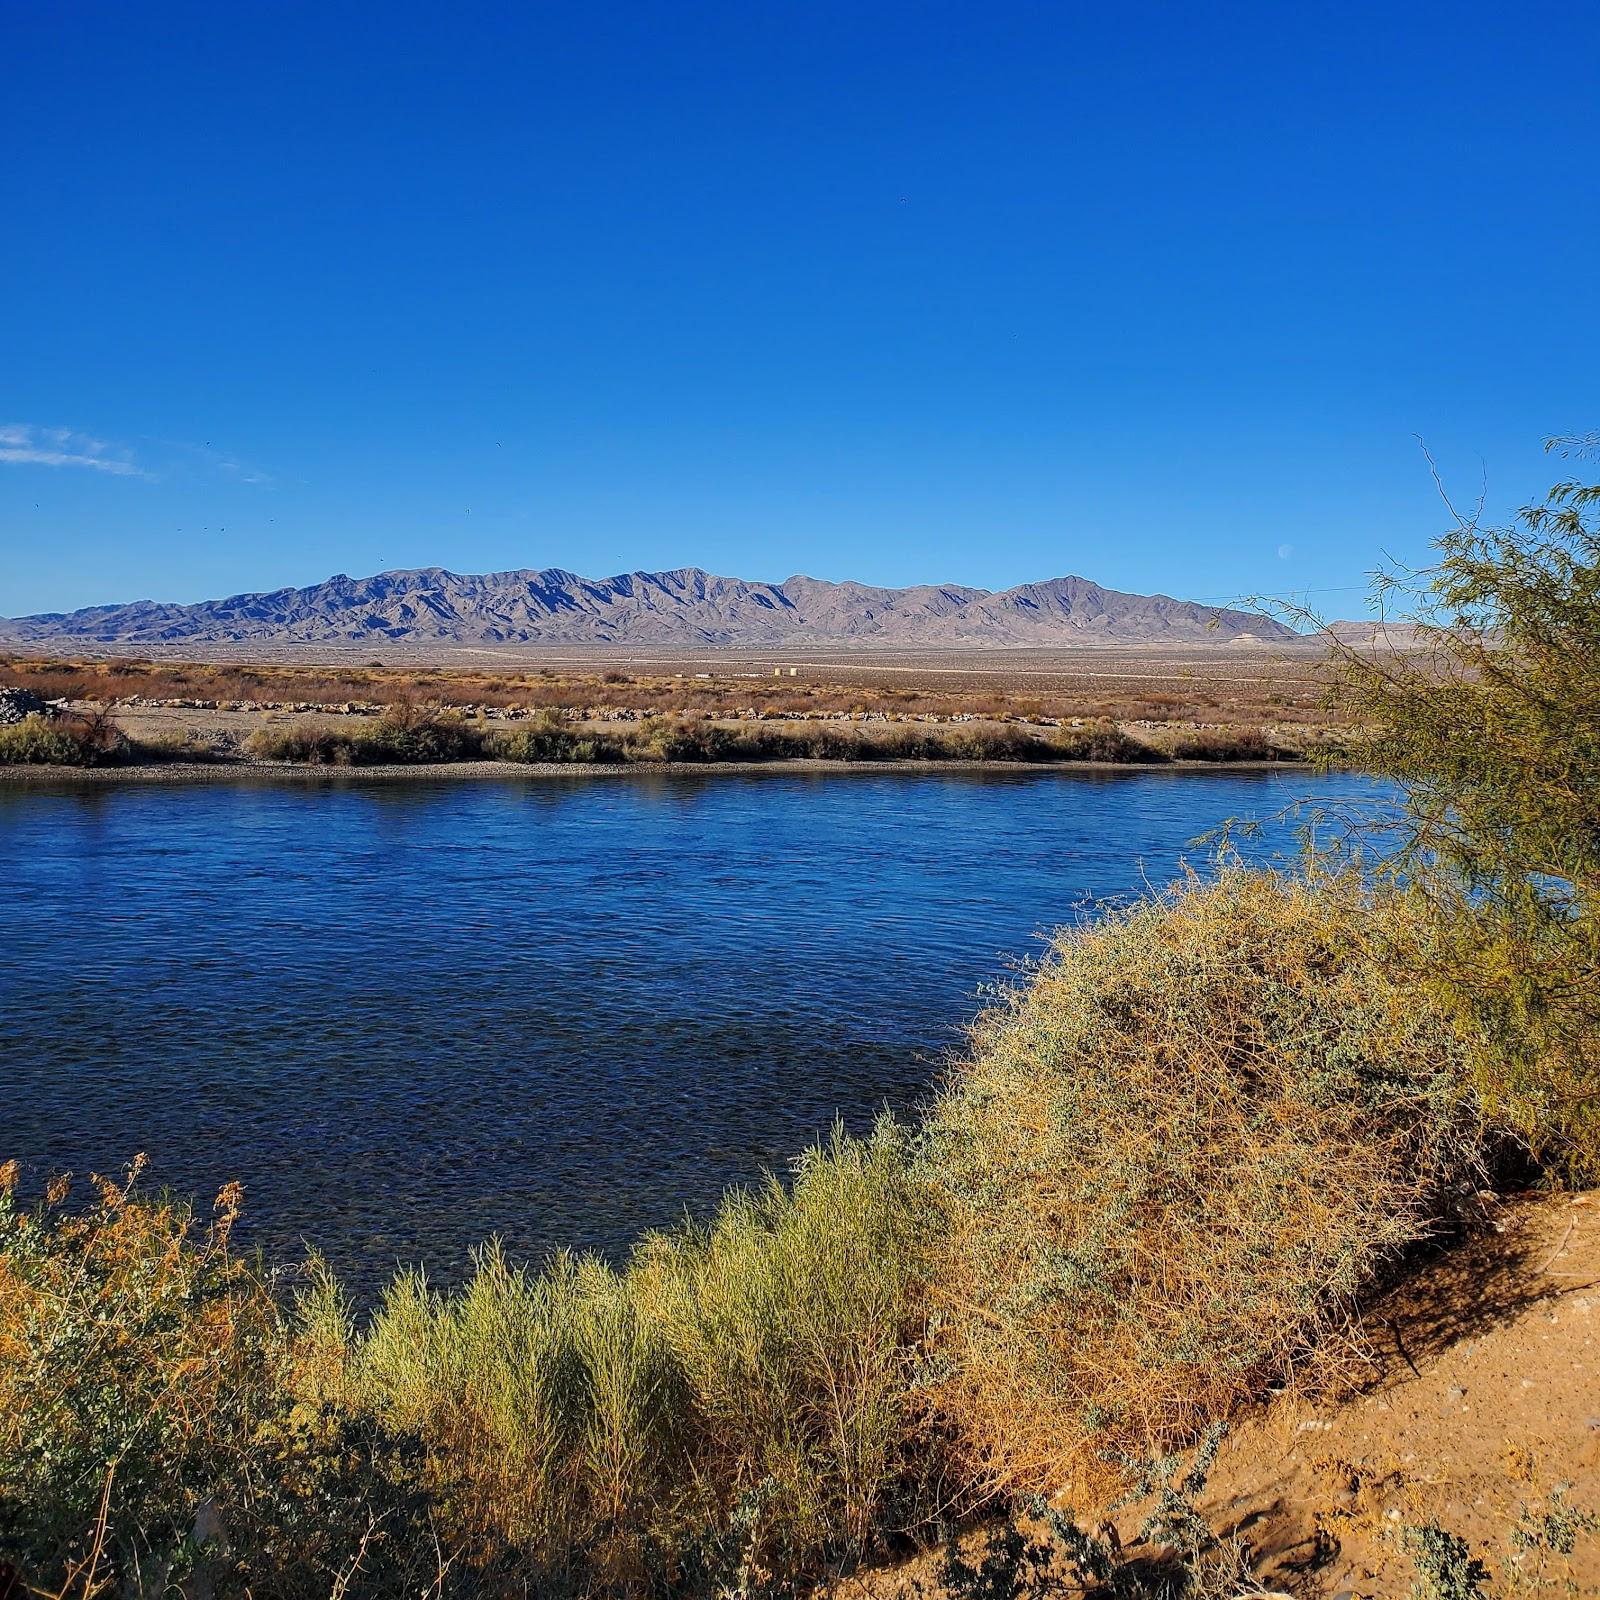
(682, 606)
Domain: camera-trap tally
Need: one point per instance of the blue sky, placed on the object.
(1158, 294)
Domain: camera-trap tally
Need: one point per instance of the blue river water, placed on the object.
(408, 1016)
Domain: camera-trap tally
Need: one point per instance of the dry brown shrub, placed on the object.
(1173, 1161)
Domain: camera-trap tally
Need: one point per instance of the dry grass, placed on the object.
(1173, 1162)
(1231, 744)
(1212, 686)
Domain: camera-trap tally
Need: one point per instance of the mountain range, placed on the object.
(686, 606)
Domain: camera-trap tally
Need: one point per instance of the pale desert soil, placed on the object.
(1480, 1393)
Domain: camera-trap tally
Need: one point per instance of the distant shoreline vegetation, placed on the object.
(404, 736)
(404, 740)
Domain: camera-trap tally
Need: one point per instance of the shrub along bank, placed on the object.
(672, 739)
(405, 736)
(41, 739)
(401, 739)
(1172, 1161)
(89, 739)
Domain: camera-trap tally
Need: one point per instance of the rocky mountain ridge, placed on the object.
(685, 606)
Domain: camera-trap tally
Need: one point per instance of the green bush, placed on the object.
(1491, 728)
(1446, 1566)
(149, 1426)
(64, 741)
(400, 737)
(549, 739)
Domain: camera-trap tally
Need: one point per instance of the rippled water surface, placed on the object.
(411, 1015)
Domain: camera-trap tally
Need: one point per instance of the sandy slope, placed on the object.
(1482, 1394)
(1467, 1394)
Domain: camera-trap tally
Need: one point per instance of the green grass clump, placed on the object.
(63, 741)
(400, 737)
(1174, 1160)
(735, 1399)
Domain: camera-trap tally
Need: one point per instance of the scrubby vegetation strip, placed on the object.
(420, 739)
(412, 736)
(90, 739)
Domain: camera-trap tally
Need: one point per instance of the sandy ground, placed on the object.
(1014, 666)
(1471, 1392)
(1482, 1394)
(1209, 685)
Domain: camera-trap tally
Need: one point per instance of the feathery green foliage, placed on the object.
(1492, 729)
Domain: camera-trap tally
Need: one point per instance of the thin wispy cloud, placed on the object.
(223, 461)
(26, 444)
(245, 474)
(31, 444)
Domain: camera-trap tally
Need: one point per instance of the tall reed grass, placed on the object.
(735, 1399)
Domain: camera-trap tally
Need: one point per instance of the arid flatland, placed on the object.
(1162, 694)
